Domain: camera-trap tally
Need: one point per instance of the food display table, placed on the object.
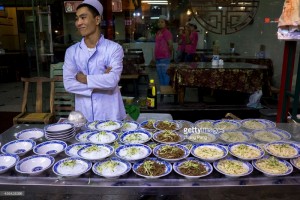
(132, 186)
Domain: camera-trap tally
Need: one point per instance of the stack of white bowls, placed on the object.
(60, 131)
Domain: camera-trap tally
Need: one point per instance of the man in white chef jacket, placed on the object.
(93, 67)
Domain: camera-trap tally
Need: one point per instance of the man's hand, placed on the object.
(107, 70)
(81, 78)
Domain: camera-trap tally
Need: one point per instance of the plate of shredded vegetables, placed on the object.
(152, 168)
(192, 168)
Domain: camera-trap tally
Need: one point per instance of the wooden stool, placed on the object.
(167, 90)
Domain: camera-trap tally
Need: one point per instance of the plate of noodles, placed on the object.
(209, 152)
(295, 162)
(192, 168)
(272, 166)
(202, 137)
(267, 135)
(246, 151)
(152, 168)
(234, 136)
(254, 124)
(284, 150)
(226, 124)
(232, 167)
(204, 124)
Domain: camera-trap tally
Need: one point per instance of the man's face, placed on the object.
(85, 22)
(161, 23)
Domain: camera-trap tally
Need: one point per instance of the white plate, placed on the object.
(171, 125)
(285, 134)
(135, 137)
(72, 150)
(33, 134)
(51, 148)
(82, 136)
(92, 125)
(176, 137)
(71, 167)
(34, 165)
(208, 167)
(202, 137)
(268, 135)
(133, 152)
(109, 125)
(246, 151)
(7, 161)
(95, 152)
(148, 124)
(209, 152)
(102, 137)
(204, 124)
(280, 148)
(168, 167)
(226, 125)
(111, 168)
(295, 162)
(254, 124)
(234, 136)
(245, 167)
(288, 168)
(59, 127)
(168, 148)
(18, 147)
(130, 126)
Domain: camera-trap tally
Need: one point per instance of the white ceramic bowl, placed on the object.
(33, 134)
(102, 137)
(111, 168)
(59, 127)
(133, 152)
(158, 152)
(72, 150)
(130, 126)
(208, 167)
(52, 148)
(135, 137)
(109, 125)
(228, 170)
(269, 162)
(209, 152)
(246, 151)
(18, 147)
(95, 152)
(34, 165)
(71, 167)
(168, 167)
(7, 161)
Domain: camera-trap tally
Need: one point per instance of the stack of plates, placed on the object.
(60, 131)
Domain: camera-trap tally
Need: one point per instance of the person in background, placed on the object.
(93, 67)
(191, 41)
(163, 50)
(180, 53)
